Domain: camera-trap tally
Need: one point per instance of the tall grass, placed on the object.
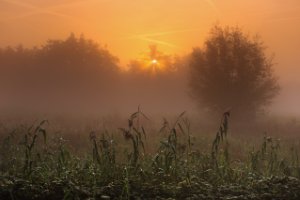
(176, 169)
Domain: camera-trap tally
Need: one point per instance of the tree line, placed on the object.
(230, 71)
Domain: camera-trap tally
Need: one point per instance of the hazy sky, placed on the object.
(127, 27)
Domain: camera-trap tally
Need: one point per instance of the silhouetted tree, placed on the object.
(70, 70)
(232, 71)
(76, 62)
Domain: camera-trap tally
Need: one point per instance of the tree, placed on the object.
(62, 72)
(232, 71)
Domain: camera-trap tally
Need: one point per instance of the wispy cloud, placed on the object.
(34, 9)
(157, 41)
(150, 37)
(50, 10)
(164, 33)
(284, 19)
(212, 5)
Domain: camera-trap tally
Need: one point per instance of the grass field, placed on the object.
(133, 162)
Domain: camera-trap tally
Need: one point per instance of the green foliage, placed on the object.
(135, 133)
(42, 168)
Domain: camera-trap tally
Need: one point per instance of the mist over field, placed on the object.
(76, 74)
(140, 99)
(116, 27)
(69, 78)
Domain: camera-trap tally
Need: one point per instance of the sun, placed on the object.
(154, 61)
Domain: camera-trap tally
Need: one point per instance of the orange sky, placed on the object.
(127, 27)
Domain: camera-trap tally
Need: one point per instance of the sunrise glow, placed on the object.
(149, 99)
(154, 62)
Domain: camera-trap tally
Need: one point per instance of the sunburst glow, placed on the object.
(154, 62)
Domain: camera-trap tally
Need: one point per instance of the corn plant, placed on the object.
(30, 139)
(220, 151)
(166, 159)
(104, 154)
(136, 134)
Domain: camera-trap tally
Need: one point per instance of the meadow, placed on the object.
(139, 161)
(72, 73)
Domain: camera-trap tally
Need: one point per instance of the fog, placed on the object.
(124, 31)
(149, 99)
(78, 76)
